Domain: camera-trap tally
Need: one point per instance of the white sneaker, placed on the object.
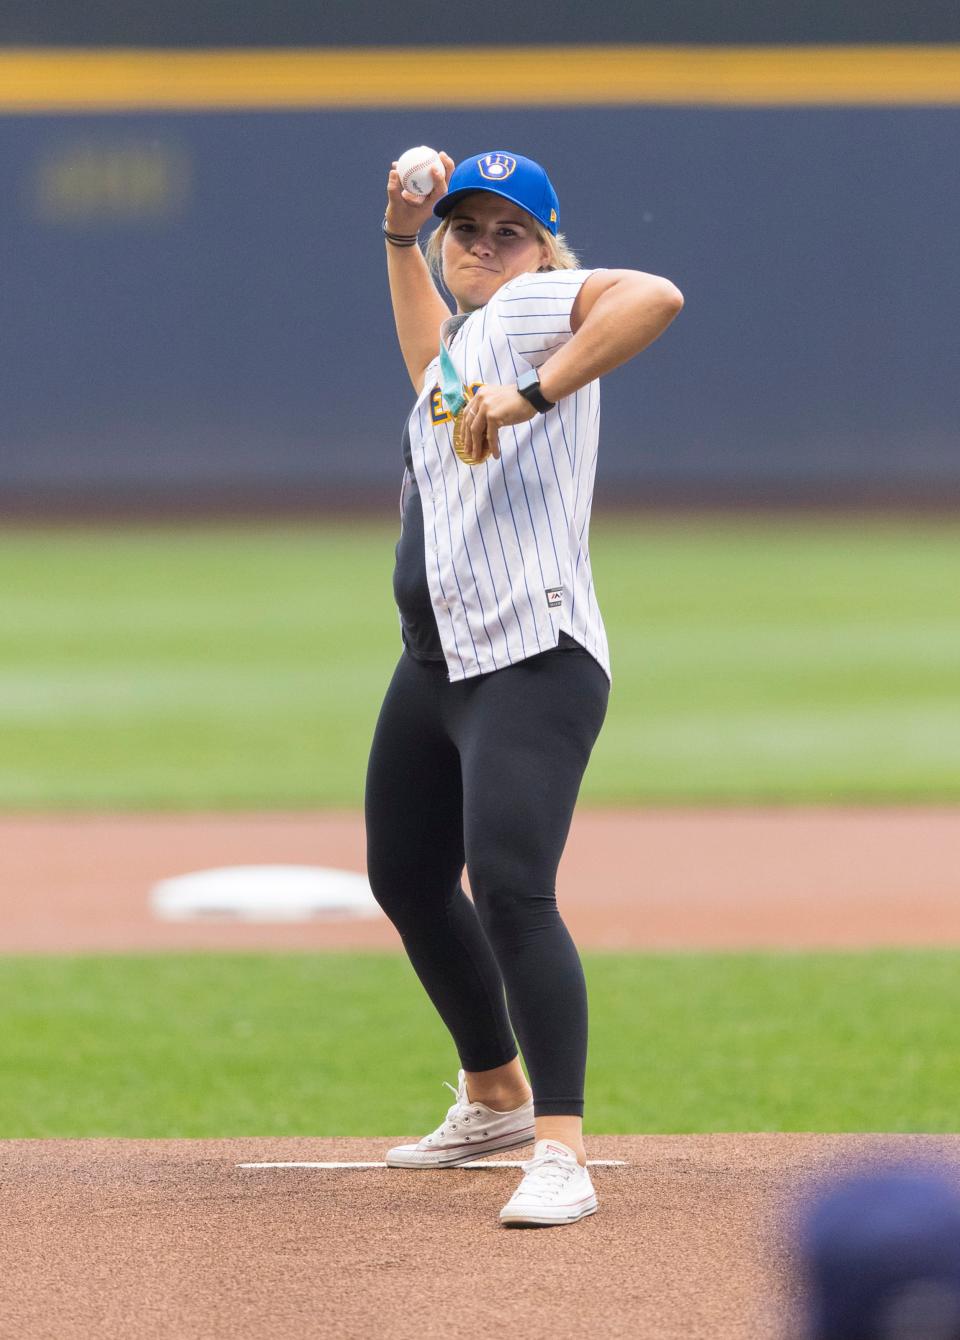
(470, 1131)
(555, 1189)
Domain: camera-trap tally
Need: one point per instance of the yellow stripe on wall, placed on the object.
(75, 80)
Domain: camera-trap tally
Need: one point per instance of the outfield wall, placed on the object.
(191, 313)
(376, 22)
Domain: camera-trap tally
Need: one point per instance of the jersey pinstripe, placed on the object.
(507, 542)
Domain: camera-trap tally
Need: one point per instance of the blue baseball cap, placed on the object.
(519, 180)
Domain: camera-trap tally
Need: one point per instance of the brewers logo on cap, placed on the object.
(496, 167)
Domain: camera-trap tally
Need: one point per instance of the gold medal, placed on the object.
(460, 440)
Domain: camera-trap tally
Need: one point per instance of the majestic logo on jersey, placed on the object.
(554, 596)
(438, 412)
(496, 167)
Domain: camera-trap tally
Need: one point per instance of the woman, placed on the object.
(502, 686)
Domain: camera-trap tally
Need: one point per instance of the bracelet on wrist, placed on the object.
(398, 239)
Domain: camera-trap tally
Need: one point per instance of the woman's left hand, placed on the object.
(493, 408)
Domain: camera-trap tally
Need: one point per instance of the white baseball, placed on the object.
(413, 169)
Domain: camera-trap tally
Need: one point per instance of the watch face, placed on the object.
(529, 387)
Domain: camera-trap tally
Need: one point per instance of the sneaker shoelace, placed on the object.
(459, 1112)
(546, 1174)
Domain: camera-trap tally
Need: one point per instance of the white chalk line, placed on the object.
(484, 1163)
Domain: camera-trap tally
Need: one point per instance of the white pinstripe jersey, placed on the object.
(506, 542)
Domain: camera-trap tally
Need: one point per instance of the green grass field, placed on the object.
(755, 659)
(232, 1045)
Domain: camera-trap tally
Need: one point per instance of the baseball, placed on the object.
(413, 169)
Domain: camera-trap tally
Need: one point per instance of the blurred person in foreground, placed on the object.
(880, 1257)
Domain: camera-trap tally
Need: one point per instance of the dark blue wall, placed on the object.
(344, 22)
(188, 310)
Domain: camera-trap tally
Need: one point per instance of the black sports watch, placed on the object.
(528, 384)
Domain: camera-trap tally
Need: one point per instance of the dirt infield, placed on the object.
(171, 1240)
(646, 879)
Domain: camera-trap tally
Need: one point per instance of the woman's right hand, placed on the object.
(405, 212)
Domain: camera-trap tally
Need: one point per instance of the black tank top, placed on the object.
(418, 623)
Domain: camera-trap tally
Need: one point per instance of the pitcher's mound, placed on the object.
(171, 1238)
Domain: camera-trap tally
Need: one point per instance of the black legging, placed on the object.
(486, 770)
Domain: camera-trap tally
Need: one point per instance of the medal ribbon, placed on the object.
(451, 387)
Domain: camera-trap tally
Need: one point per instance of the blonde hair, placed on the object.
(562, 257)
